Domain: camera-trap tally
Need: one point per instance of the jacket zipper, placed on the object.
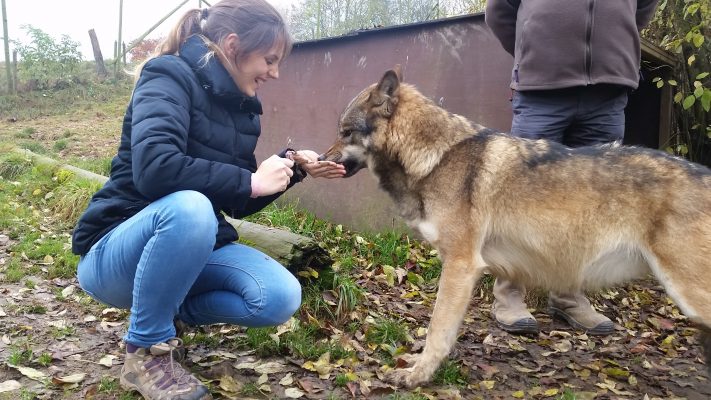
(588, 37)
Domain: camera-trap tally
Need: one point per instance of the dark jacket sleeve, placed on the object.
(500, 16)
(161, 121)
(645, 12)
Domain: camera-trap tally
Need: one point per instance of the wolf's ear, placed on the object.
(385, 95)
(390, 82)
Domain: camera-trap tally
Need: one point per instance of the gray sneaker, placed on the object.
(157, 375)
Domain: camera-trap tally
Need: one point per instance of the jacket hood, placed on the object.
(214, 77)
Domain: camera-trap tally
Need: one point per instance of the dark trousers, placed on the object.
(578, 116)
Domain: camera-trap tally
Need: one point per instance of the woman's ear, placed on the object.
(231, 45)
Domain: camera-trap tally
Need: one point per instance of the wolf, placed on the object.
(531, 211)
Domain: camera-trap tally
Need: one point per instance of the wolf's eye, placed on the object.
(347, 132)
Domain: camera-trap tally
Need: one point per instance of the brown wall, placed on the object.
(457, 62)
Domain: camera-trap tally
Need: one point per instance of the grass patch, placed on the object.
(14, 165)
(387, 331)
(450, 373)
(101, 166)
(71, 198)
(60, 145)
(25, 133)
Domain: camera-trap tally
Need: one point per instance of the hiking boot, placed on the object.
(577, 311)
(509, 308)
(157, 375)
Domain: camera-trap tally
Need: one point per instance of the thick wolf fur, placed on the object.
(534, 212)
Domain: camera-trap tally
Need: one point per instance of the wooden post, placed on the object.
(15, 79)
(6, 39)
(98, 58)
(119, 41)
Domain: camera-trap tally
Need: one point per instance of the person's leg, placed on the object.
(149, 263)
(542, 114)
(509, 308)
(536, 115)
(577, 311)
(600, 117)
(243, 286)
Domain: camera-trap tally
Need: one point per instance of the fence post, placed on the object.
(98, 58)
(6, 39)
(15, 78)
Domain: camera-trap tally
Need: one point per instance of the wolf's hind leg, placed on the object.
(681, 261)
(453, 297)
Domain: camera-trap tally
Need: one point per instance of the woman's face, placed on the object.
(253, 70)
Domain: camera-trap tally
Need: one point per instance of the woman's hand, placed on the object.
(272, 176)
(308, 161)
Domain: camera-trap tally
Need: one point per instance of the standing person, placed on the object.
(574, 64)
(154, 238)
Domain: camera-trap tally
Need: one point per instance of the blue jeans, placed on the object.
(579, 116)
(160, 263)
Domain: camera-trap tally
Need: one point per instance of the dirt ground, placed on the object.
(653, 354)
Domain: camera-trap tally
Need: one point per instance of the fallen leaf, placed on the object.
(9, 386)
(293, 393)
(107, 360)
(75, 378)
(32, 373)
(288, 380)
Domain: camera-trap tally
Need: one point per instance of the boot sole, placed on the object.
(129, 386)
(522, 326)
(602, 329)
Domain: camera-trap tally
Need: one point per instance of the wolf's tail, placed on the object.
(705, 337)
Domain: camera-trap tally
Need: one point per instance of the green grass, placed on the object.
(89, 97)
(387, 331)
(60, 145)
(45, 359)
(450, 373)
(13, 165)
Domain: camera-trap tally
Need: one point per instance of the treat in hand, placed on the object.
(308, 161)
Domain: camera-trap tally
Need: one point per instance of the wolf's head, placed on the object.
(364, 118)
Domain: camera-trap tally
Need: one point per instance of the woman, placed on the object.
(154, 238)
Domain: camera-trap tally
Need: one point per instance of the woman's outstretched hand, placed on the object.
(308, 161)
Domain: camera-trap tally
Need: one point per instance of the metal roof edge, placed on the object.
(380, 29)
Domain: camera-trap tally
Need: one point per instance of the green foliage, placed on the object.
(46, 63)
(387, 331)
(681, 26)
(450, 373)
(14, 165)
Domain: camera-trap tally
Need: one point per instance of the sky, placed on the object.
(75, 18)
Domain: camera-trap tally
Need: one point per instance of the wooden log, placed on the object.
(98, 57)
(292, 250)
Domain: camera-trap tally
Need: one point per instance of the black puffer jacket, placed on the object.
(187, 127)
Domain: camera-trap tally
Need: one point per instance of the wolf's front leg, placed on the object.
(455, 290)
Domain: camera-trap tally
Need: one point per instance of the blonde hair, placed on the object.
(257, 23)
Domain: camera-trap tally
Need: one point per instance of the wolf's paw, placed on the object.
(410, 377)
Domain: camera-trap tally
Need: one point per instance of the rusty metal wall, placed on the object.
(457, 62)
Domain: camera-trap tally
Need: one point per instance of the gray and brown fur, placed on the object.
(535, 212)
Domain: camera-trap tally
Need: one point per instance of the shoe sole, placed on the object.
(129, 386)
(523, 326)
(602, 329)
